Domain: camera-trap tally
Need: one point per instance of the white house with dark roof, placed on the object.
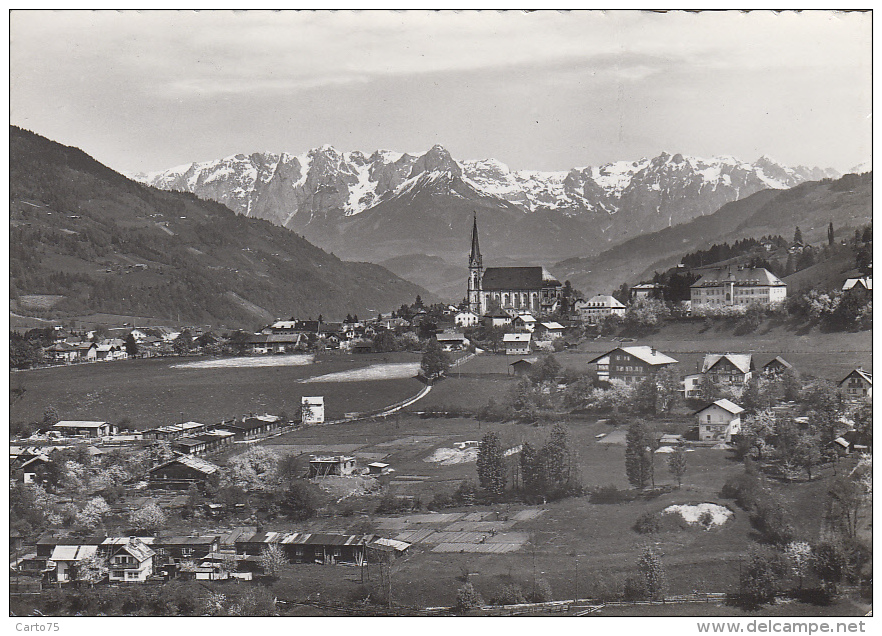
(740, 287)
(719, 421)
(857, 385)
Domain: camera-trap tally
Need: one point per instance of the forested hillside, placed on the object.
(86, 239)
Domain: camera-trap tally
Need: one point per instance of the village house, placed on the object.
(524, 322)
(630, 364)
(549, 330)
(858, 385)
(174, 549)
(61, 352)
(323, 465)
(719, 421)
(598, 308)
(189, 445)
(451, 341)
(28, 467)
(728, 369)
(776, 366)
(692, 385)
(862, 287)
(516, 343)
(253, 426)
(312, 410)
(180, 473)
(465, 319)
(130, 559)
(521, 367)
(379, 468)
(725, 287)
(305, 547)
(175, 431)
(496, 318)
(83, 428)
(645, 290)
(67, 558)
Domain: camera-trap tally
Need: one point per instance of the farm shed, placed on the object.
(83, 428)
(522, 366)
(180, 472)
(322, 465)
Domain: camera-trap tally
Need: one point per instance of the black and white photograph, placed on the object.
(437, 313)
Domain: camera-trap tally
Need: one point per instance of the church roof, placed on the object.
(516, 278)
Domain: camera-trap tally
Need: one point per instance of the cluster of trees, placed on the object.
(176, 598)
(549, 471)
(724, 251)
(836, 556)
(835, 310)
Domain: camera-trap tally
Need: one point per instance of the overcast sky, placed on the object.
(545, 91)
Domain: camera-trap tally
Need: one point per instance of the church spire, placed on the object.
(475, 256)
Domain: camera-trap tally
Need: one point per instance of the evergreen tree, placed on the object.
(653, 573)
(131, 346)
(830, 233)
(639, 454)
(677, 464)
(435, 362)
(797, 235)
(491, 464)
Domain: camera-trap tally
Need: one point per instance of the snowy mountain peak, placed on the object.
(322, 185)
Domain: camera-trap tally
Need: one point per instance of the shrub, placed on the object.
(467, 597)
(542, 593)
(648, 523)
(610, 495)
(510, 594)
(440, 501)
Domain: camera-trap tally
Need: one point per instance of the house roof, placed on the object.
(645, 286)
(498, 313)
(527, 361)
(780, 361)
(189, 441)
(138, 549)
(73, 552)
(445, 337)
(79, 424)
(517, 278)
(190, 540)
(866, 282)
(552, 325)
(516, 337)
(745, 276)
(195, 463)
(605, 301)
(641, 352)
(525, 318)
(868, 377)
(724, 404)
(741, 361)
(401, 546)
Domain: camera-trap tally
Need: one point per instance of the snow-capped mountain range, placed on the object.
(323, 192)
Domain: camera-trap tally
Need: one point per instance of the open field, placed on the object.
(580, 547)
(249, 362)
(824, 355)
(154, 392)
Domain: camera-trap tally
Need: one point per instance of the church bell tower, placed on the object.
(476, 272)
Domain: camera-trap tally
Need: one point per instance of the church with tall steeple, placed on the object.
(511, 289)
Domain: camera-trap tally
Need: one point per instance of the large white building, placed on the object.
(598, 307)
(738, 288)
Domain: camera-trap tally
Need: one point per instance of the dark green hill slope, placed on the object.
(811, 206)
(94, 241)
